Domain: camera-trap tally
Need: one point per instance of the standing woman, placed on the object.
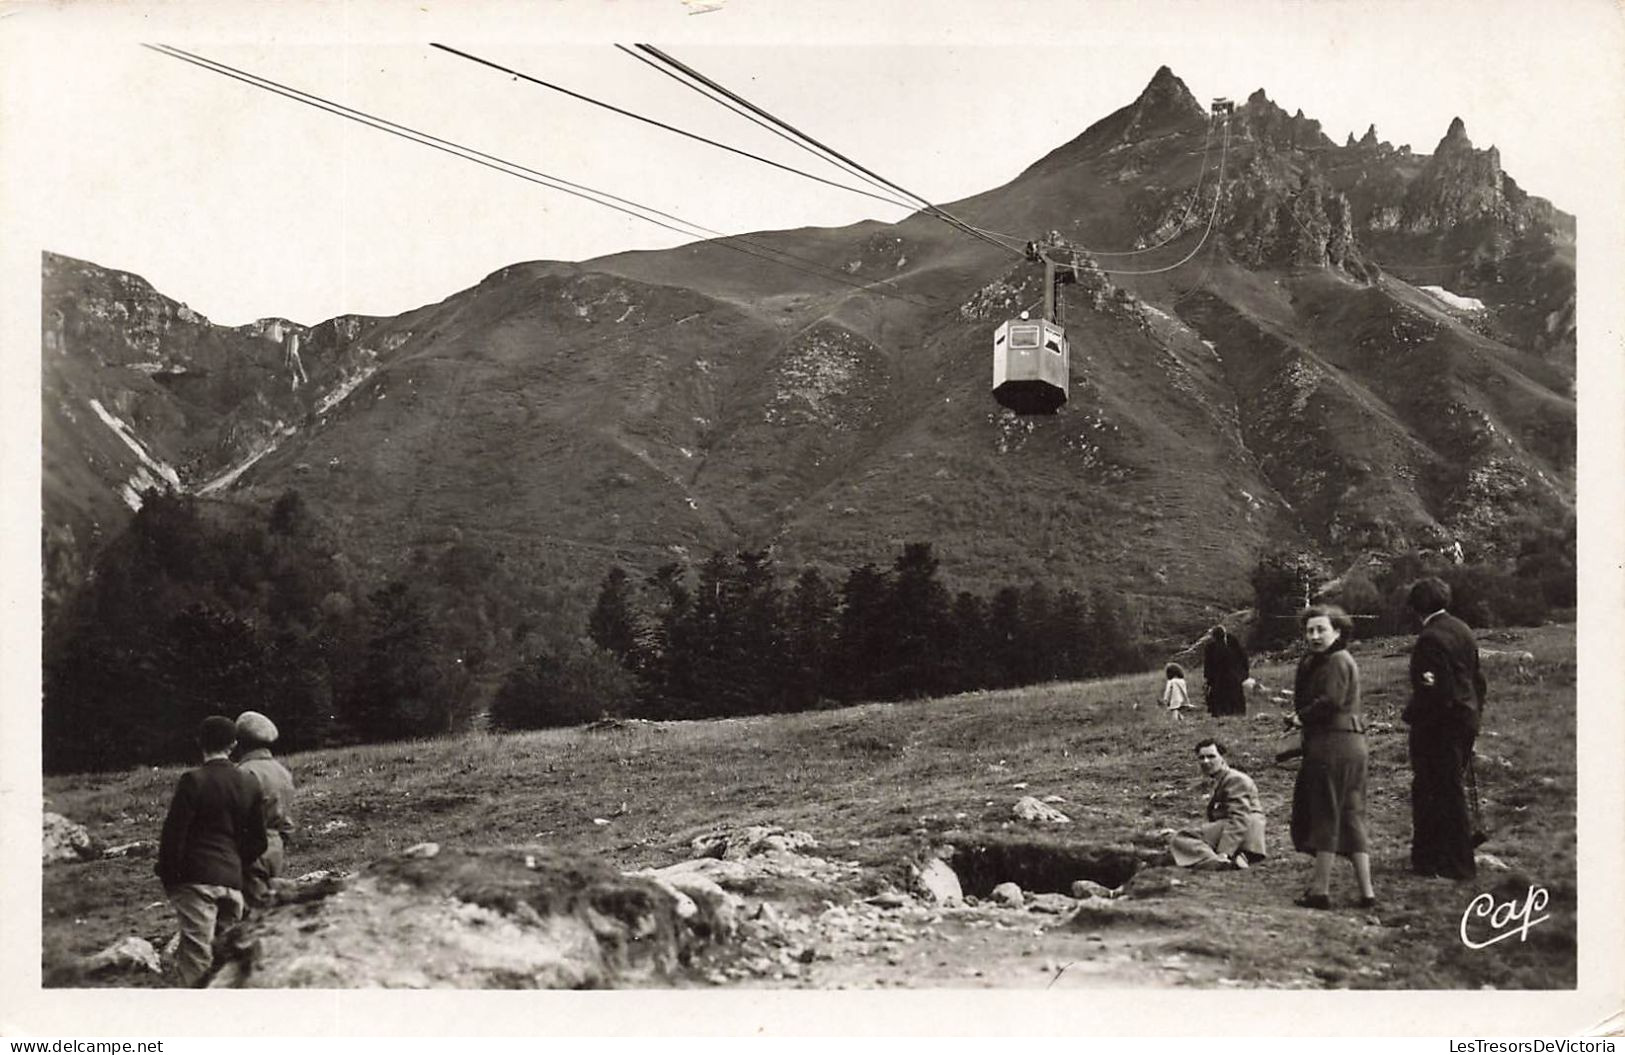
(1224, 669)
(1328, 801)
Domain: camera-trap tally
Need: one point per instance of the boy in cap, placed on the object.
(255, 735)
(214, 828)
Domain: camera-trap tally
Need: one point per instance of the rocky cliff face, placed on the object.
(1458, 185)
(141, 392)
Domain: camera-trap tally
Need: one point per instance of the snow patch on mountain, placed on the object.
(151, 470)
(344, 388)
(1460, 303)
(266, 446)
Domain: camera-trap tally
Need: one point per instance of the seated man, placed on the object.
(1233, 836)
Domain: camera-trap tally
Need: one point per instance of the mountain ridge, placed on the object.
(649, 406)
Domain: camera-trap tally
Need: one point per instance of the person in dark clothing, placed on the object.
(1447, 702)
(214, 829)
(1224, 668)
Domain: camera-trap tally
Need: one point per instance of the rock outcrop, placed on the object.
(1458, 185)
(511, 918)
(67, 841)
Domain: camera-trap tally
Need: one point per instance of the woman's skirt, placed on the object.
(1328, 801)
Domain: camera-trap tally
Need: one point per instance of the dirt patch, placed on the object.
(1037, 864)
(512, 918)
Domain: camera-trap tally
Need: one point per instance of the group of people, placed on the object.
(224, 836)
(228, 824)
(1328, 798)
(1225, 672)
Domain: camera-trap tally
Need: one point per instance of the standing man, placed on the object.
(1447, 701)
(1233, 836)
(255, 735)
(214, 829)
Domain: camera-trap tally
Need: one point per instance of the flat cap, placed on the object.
(252, 725)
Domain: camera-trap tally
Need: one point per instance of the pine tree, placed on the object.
(968, 665)
(613, 623)
(1006, 630)
(1112, 635)
(917, 617)
(666, 653)
(759, 677)
(396, 695)
(810, 641)
(1067, 639)
(863, 641)
(1039, 639)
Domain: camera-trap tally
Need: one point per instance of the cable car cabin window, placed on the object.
(998, 339)
(1053, 343)
(1024, 336)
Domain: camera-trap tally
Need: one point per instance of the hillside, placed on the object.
(883, 785)
(1291, 385)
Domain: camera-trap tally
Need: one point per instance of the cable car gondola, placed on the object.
(1031, 359)
(1030, 365)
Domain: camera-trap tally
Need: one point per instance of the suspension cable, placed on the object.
(516, 170)
(658, 124)
(733, 107)
(1218, 196)
(934, 210)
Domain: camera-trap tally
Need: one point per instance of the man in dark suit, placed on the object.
(214, 829)
(1447, 702)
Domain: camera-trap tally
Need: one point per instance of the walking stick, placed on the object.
(1471, 778)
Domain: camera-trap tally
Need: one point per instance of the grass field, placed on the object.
(877, 784)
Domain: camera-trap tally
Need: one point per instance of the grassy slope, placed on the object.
(873, 782)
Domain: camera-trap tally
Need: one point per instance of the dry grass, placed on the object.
(877, 782)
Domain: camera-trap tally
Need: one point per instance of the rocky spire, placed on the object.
(1458, 185)
(1456, 138)
(1370, 137)
(1166, 94)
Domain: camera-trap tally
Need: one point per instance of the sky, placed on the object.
(244, 204)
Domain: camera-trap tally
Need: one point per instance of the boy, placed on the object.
(255, 735)
(214, 829)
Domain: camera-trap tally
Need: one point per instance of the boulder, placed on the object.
(937, 882)
(66, 841)
(1051, 904)
(508, 918)
(721, 909)
(1084, 888)
(130, 953)
(135, 849)
(739, 843)
(1028, 808)
(1008, 894)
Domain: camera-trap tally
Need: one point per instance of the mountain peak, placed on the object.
(1166, 92)
(1456, 137)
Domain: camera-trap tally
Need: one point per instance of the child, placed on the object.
(214, 829)
(255, 735)
(1175, 695)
